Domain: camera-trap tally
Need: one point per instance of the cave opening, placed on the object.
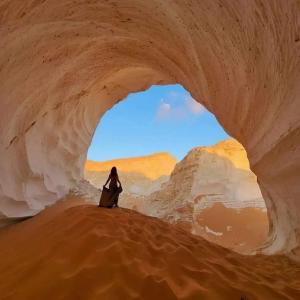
(177, 163)
(64, 64)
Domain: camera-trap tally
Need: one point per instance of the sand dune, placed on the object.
(85, 252)
(242, 230)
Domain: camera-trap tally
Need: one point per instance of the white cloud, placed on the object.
(174, 94)
(178, 106)
(164, 110)
(194, 106)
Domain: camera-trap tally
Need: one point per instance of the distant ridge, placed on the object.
(152, 166)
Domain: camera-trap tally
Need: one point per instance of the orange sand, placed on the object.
(248, 226)
(86, 252)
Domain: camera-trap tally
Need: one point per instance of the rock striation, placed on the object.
(64, 63)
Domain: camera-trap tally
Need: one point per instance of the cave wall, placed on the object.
(64, 63)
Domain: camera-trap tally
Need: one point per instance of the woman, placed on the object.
(113, 180)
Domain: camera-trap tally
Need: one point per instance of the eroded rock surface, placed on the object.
(64, 63)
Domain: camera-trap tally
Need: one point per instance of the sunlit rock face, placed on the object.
(216, 182)
(210, 174)
(140, 175)
(64, 63)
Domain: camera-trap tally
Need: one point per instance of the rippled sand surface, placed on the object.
(86, 252)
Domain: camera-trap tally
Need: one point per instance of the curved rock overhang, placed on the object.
(64, 63)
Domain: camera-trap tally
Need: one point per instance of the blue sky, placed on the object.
(161, 119)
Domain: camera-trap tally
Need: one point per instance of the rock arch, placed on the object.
(64, 63)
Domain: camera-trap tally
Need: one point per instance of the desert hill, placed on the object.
(151, 166)
(140, 175)
(86, 252)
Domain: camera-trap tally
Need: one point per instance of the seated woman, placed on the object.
(113, 180)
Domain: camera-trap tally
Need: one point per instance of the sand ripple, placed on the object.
(85, 252)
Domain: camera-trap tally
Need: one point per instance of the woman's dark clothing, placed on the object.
(113, 187)
(110, 197)
(113, 182)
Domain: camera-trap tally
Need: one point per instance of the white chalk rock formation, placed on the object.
(206, 176)
(64, 63)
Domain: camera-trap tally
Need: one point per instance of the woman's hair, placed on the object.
(113, 171)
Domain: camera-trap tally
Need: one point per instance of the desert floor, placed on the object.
(86, 252)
